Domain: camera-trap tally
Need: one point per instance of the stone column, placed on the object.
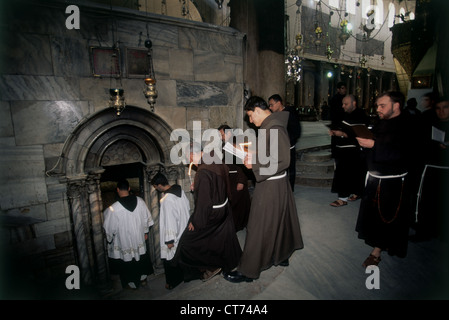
(96, 222)
(152, 200)
(75, 194)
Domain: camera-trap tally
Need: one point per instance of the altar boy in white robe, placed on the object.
(126, 224)
(173, 219)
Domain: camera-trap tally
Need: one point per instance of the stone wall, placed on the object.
(47, 90)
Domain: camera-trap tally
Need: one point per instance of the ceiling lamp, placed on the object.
(117, 100)
(345, 31)
(116, 95)
(149, 90)
(219, 3)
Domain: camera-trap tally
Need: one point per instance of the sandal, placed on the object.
(353, 197)
(338, 203)
(210, 273)
(371, 261)
(168, 287)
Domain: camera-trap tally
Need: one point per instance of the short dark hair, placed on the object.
(224, 127)
(341, 84)
(159, 178)
(254, 102)
(123, 184)
(395, 97)
(276, 98)
(412, 103)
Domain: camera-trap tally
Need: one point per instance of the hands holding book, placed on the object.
(338, 133)
(365, 143)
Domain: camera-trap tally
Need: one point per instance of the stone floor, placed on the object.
(328, 268)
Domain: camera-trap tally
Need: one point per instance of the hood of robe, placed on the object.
(275, 119)
(176, 190)
(129, 202)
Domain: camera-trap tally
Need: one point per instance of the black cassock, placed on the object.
(213, 243)
(385, 210)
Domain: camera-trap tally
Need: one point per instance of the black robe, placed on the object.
(213, 243)
(240, 199)
(350, 166)
(273, 231)
(385, 210)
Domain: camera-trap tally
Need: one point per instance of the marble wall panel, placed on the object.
(17, 87)
(166, 94)
(6, 128)
(209, 41)
(70, 57)
(212, 67)
(204, 94)
(222, 115)
(28, 214)
(161, 64)
(181, 64)
(57, 210)
(21, 172)
(53, 121)
(174, 116)
(51, 227)
(24, 53)
(55, 189)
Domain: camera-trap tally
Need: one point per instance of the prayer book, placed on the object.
(235, 151)
(438, 135)
(359, 130)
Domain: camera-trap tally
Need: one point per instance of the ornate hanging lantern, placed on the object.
(150, 91)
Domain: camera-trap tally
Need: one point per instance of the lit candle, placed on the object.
(190, 175)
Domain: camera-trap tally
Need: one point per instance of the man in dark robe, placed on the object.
(433, 203)
(350, 168)
(273, 231)
(385, 211)
(336, 111)
(241, 199)
(209, 244)
(293, 130)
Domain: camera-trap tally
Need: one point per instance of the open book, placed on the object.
(438, 135)
(359, 130)
(239, 153)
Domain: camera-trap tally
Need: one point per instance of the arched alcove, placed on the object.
(104, 139)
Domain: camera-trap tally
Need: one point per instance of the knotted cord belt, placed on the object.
(421, 183)
(402, 176)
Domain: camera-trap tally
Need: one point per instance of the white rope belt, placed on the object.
(217, 206)
(384, 177)
(347, 146)
(278, 177)
(421, 183)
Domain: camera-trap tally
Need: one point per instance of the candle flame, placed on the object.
(244, 144)
(190, 168)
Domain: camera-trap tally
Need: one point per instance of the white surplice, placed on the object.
(125, 230)
(173, 219)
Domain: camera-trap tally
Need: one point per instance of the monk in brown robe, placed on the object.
(273, 231)
(209, 244)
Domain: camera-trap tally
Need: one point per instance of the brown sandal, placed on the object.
(354, 197)
(371, 261)
(338, 203)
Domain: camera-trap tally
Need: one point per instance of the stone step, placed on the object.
(315, 169)
(313, 180)
(316, 156)
(325, 167)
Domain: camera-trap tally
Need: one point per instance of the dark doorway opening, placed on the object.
(133, 172)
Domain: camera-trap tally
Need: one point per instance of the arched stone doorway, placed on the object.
(136, 145)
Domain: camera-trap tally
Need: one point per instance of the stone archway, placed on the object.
(90, 147)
